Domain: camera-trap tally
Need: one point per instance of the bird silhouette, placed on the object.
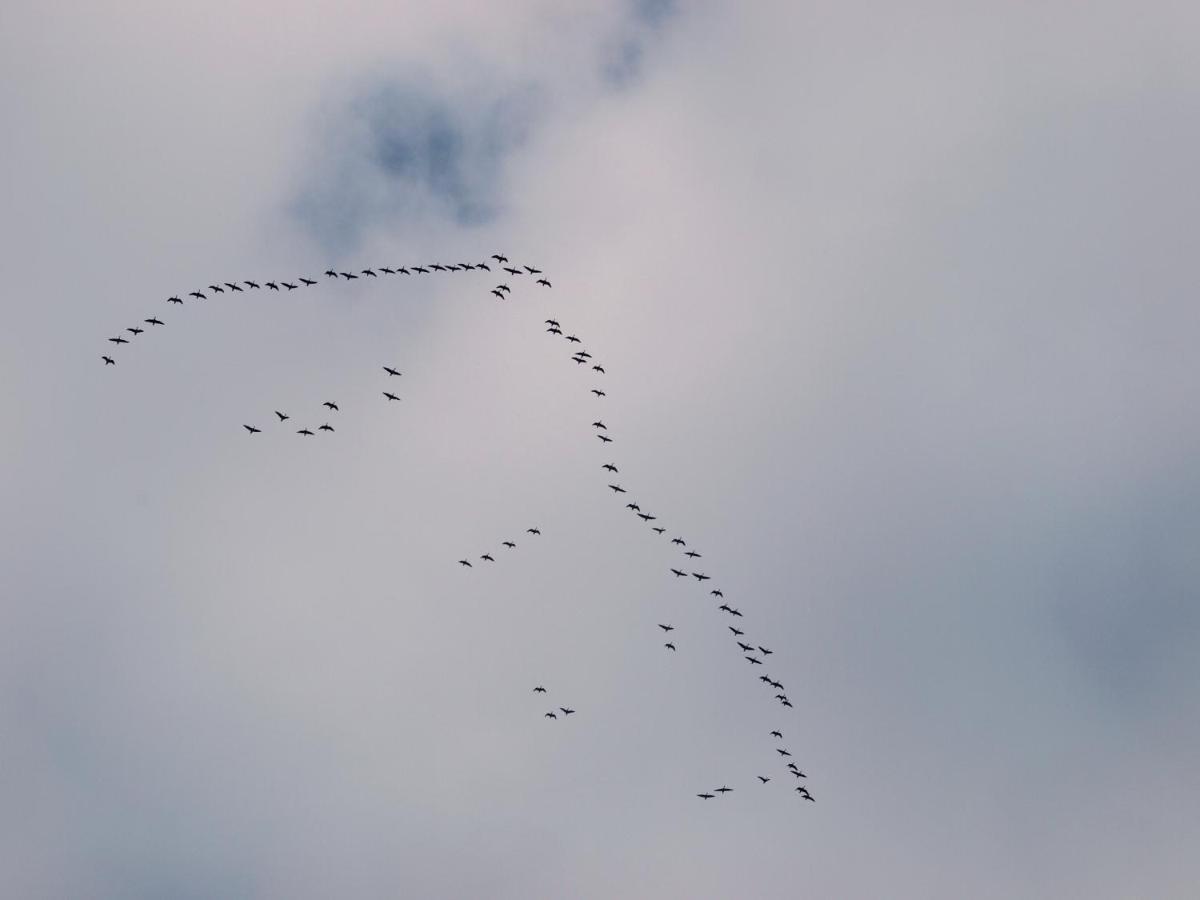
(746, 648)
(763, 778)
(135, 330)
(705, 796)
(308, 281)
(331, 273)
(499, 295)
(108, 360)
(765, 651)
(488, 557)
(600, 425)
(509, 544)
(617, 488)
(724, 790)
(604, 438)
(633, 506)
(219, 290)
(305, 432)
(598, 369)
(332, 406)
(197, 295)
(565, 711)
(272, 285)
(693, 554)
(782, 752)
(253, 284)
(233, 287)
(498, 258)
(390, 371)
(290, 286)
(754, 660)
(390, 397)
(609, 466)
(118, 340)
(777, 734)
(700, 576)
(467, 563)
(532, 271)
(646, 517)
(716, 593)
(252, 429)
(369, 272)
(667, 627)
(539, 690)
(598, 393)
(174, 300)
(669, 645)
(678, 574)
(283, 417)
(553, 322)
(533, 531)
(735, 631)
(680, 541)
(660, 530)
(325, 427)
(551, 715)
(153, 321)
(543, 281)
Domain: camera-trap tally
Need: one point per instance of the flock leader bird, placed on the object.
(754, 653)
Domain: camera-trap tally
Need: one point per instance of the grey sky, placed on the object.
(897, 312)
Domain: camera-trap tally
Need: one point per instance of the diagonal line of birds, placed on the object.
(753, 652)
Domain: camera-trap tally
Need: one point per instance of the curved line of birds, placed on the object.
(753, 653)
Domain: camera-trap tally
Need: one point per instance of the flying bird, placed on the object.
(659, 530)
(678, 574)
(390, 397)
(724, 790)
(539, 690)
(369, 272)
(735, 631)
(390, 370)
(716, 593)
(532, 271)
(705, 796)
(153, 321)
(553, 322)
(617, 488)
(499, 295)
(646, 517)
(509, 544)
(108, 360)
(782, 752)
(574, 340)
(598, 369)
(598, 392)
(253, 284)
(513, 271)
(777, 734)
(252, 429)
(219, 290)
(233, 287)
(565, 711)
(543, 281)
(765, 651)
(174, 300)
(197, 295)
(600, 425)
(308, 281)
(609, 466)
(604, 438)
(693, 554)
(498, 258)
(754, 661)
(533, 531)
(283, 417)
(667, 627)
(332, 406)
(325, 427)
(290, 286)
(488, 557)
(669, 645)
(551, 715)
(763, 778)
(305, 431)
(467, 563)
(680, 541)
(633, 506)
(700, 576)
(272, 285)
(331, 273)
(118, 340)
(135, 330)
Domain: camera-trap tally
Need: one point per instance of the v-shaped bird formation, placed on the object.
(685, 570)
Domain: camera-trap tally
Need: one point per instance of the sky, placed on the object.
(895, 304)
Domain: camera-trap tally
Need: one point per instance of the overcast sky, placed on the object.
(897, 308)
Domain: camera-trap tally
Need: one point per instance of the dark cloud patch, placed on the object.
(623, 56)
(405, 153)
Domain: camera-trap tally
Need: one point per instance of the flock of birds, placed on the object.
(754, 653)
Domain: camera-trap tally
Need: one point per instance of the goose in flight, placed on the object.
(667, 627)
(390, 397)
(659, 530)
(174, 300)
(633, 506)
(763, 778)
(543, 281)
(573, 339)
(532, 271)
(349, 276)
(724, 790)
(754, 661)
(716, 593)
(513, 271)
(272, 285)
(197, 295)
(402, 271)
(765, 651)
(669, 645)
(135, 330)
(578, 359)
(483, 266)
(609, 466)
(598, 392)
(233, 287)
(118, 340)
(504, 287)
(332, 406)
(108, 360)
(370, 272)
(551, 715)
(330, 273)
(533, 531)
(305, 432)
(777, 734)
(325, 427)
(253, 284)
(290, 286)
(467, 563)
(599, 369)
(693, 554)
(700, 576)
(437, 267)
(725, 608)
(420, 269)
(488, 557)
(705, 796)
(153, 320)
(216, 288)
(735, 631)
(498, 258)
(509, 544)
(734, 611)
(539, 690)
(307, 281)
(805, 794)
(252, 429)
(617, 489)
(499, 296)
(565, 711)
(600, 425)
(553, 330)
(782, 752)
(387, 270)
(680, 541)
(746, 648)
(646, 517)
(283, 417)
(390, 370)
(678, 574)
(604, 438)
(553, 322)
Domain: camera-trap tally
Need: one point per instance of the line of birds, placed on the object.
(754, 653)
(501, 290)
(508, 545)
